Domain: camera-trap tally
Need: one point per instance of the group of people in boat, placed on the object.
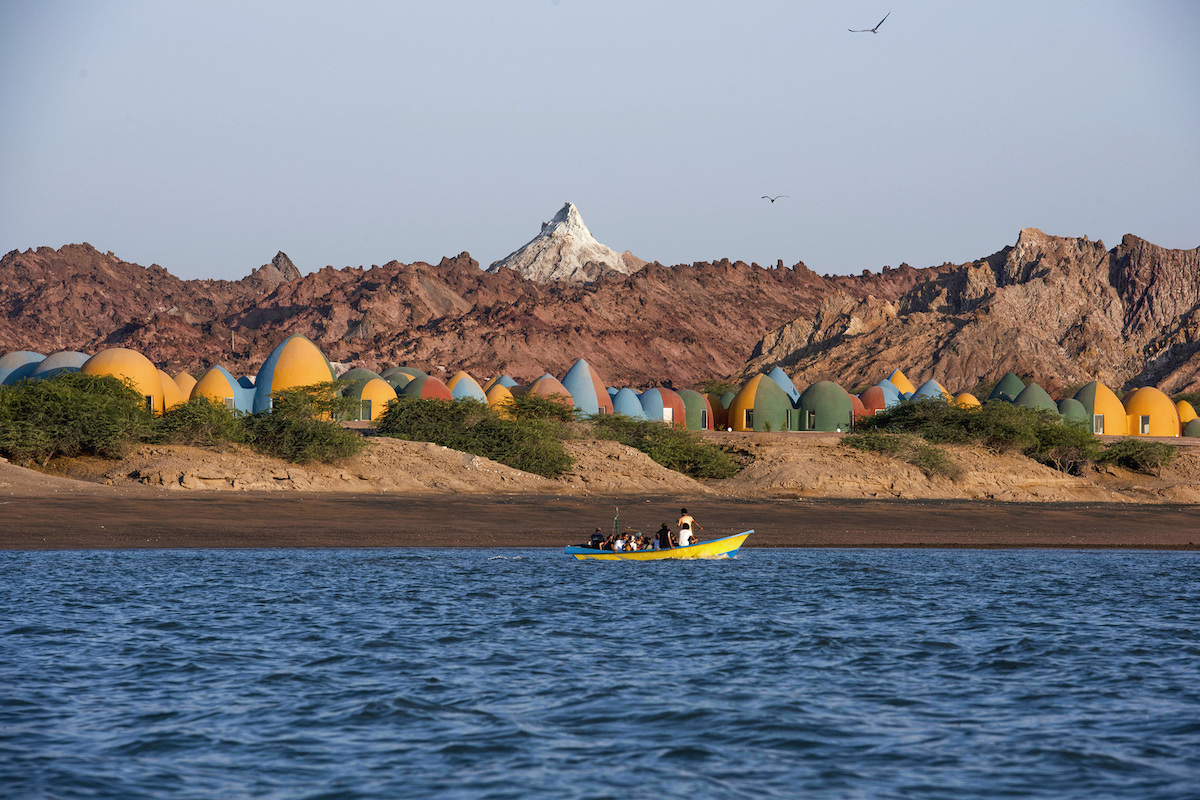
(663, 539)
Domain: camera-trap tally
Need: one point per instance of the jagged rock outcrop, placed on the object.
(1058, 310)
(662, 324)
(1055, 310)
(565, 250)
(269, 276)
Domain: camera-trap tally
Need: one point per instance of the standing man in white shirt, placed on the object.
(686, 519)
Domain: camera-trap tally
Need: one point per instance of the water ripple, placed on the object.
(498, 674)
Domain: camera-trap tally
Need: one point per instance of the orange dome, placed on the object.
(901, 382)
(185, 382)
(131, 366)
(967, 400)
(1151, 413)
(171, 395)
(498, 397)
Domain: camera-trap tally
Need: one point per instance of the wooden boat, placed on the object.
(717, 548)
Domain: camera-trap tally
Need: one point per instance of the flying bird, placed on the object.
(776, 197)
(871, 30)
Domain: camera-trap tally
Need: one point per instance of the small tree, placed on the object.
(71, 414)
(535, 406)
(201, 422)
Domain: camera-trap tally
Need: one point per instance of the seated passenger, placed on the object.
(664, 538)
(619, 544)
(685, 535)
(597, 539)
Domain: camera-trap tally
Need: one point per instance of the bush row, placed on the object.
(530, 435)
(1005, 427)
(530, 444)
(75, 414)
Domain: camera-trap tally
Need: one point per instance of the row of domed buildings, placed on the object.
(769, 402)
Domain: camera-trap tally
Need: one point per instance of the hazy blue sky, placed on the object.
(206, 136)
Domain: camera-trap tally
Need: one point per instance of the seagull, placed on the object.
(776, 197)
(872, 30)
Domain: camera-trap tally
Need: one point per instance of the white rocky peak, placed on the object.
(565, 250)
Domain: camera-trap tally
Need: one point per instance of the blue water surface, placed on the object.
(521, 673)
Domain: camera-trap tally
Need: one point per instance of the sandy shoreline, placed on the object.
(144, 519)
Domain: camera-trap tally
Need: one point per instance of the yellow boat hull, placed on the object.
(717, 548)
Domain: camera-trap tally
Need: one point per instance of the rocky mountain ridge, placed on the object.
(1062, 311)
(661, 324)
(1058, 310)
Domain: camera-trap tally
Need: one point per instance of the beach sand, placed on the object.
(419, 495)
(148, 519)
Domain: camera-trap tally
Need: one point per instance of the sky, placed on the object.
(206, 136)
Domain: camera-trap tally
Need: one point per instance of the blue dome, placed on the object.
(626, 402)
(785, 383)
(18, 366)
(930, 390)
(58, 363)
(891, 395)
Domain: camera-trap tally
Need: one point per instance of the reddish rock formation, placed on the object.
(1056, 310)
(1060, 311)
(675, 324)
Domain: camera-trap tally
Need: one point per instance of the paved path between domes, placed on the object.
(161, 519)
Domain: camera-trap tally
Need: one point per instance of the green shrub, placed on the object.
(534, 406)
(1000, 426)
(1067, 447)
(1139, 455)
(933, 461)
(674, 448)
(876, 441)
(530, 444)
(908, 448)
(316, 401)
(71, 414)
(200, 422)
(300, 439)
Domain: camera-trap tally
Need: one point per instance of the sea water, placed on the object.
(522, 673)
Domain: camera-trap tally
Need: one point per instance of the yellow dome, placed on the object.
(171, 395)
(217, 385)
(301, 363)
(1151, 413)
(967, 400)
(498, 398)
(1100, 401)
(901, 382)
(1186, 412)
(458, 376)
(130, 366)
(743, 402)
(185, 382)
(381, 394)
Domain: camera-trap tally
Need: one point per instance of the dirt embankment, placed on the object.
(798, 491)
(778, 467)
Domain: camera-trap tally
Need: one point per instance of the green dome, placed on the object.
(1074, 412)
(357, 374)
(1192, 428)
(825, 406)
(1007, 389)
(1034, 396)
